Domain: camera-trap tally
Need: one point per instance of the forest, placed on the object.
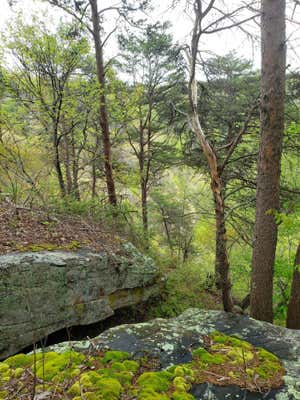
(193, 156)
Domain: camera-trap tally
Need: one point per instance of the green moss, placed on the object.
(131, 365)
(38, 247)
(75, 389)
(180, 384)
(115, 356)
(122, 371)
(113, 374)
(182, 396)
(150, 394)
(59, 366)
(124, 377)
(19, 361)
(73, 245)
(266, 355)
(207, 358)
(18, 372)
(3, 368)
(108, 388)
(239, 355)
(185, 370)
(156, 381)
(4, 379)
(3, 394)
(230, 340)
(117, 366)
(88, 396)
(267, 369)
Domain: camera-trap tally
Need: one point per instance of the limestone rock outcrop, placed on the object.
(43, 292)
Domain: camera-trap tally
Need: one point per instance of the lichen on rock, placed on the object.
(45, 291)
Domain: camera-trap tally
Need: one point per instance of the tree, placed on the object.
(227, 96)
(268, 180)
(87, 13)
(202, 26)
(96, 31)
(45, 64)
(153, 64)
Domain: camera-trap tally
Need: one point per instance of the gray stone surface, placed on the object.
(43, 292)
(172, 340)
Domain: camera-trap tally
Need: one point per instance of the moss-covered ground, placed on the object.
(114, 375)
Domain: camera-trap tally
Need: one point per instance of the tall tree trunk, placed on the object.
(222, 260)
(75, 167)
(222, 265)
(67, 163)
(76, 190)
(166, 226)
(293, 312)
(143, 181)
(144, 193)
(268, 180)
(57, 164)
(103, 108)
(94, 179)
(95, 160)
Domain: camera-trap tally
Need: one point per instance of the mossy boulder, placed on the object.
(114, 375)
(173, 341)
(198, 355)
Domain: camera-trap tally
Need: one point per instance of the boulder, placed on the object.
(43, 292)
(173, 340)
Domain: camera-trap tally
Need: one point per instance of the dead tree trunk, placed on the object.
(222, 260)
(103, 107)
(293, 312)
(268, 180)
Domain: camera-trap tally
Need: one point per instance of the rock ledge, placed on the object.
(43, 292)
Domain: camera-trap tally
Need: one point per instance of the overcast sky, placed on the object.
(218, 43)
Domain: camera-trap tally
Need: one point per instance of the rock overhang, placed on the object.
(43, 292)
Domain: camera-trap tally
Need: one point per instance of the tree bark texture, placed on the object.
(268, 179)
(222, 267)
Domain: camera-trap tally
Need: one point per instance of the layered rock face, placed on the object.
(43, 292)
(172, 342)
